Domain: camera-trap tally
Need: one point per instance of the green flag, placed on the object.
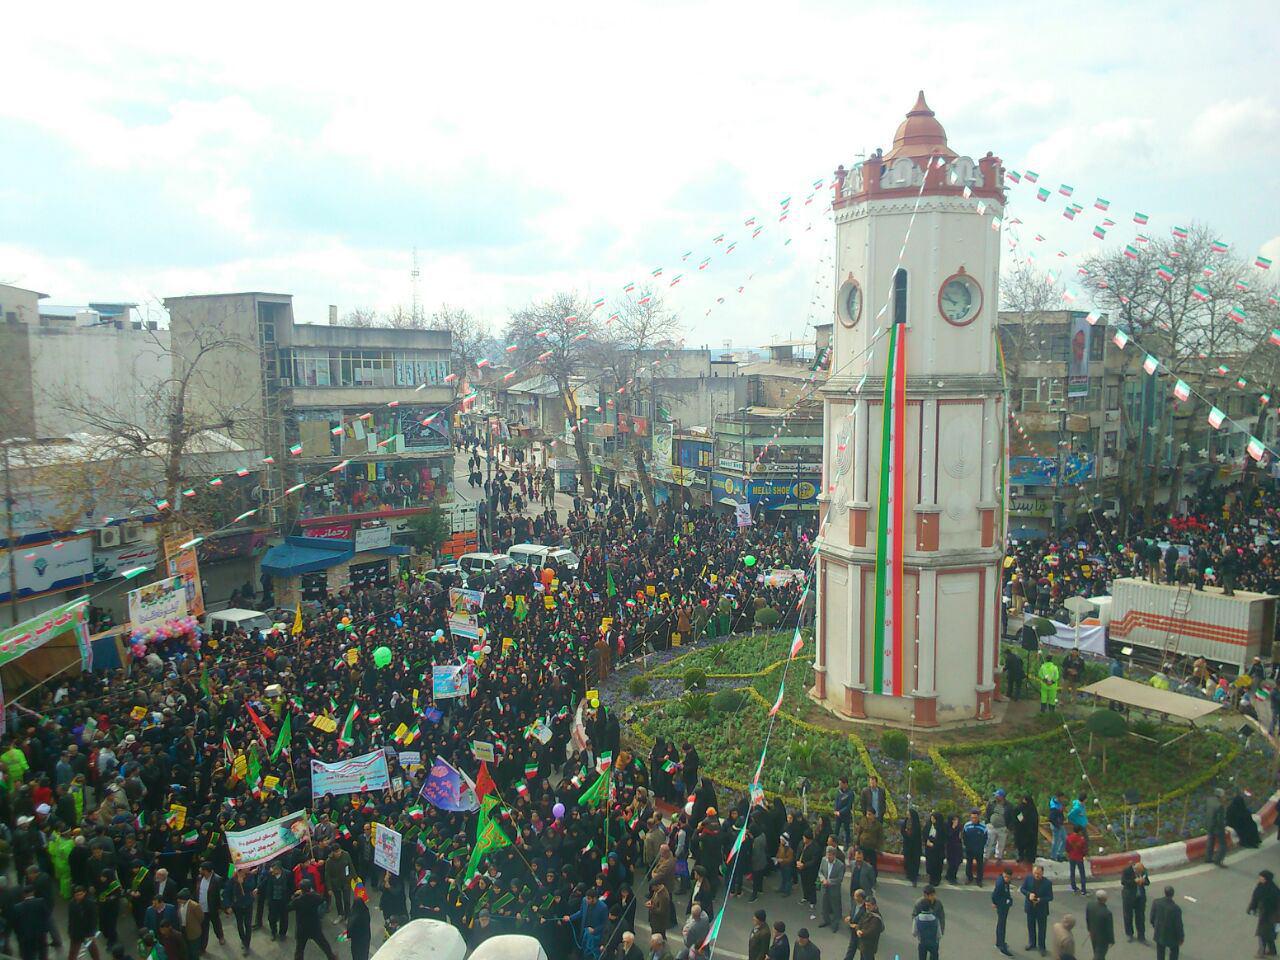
(597, 793)
(610, 588)
(255, 766)
(284, 738)
(489, 836)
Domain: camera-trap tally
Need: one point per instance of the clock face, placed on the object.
(850, 306)
(960, 299)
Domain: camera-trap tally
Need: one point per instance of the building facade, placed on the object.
(908, 619)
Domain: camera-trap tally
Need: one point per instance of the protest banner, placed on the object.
(262, 844)
(465, 601)
(465, 625)
(482, 750)
(449, 681)
(367, 772)
(448, 788)
(386, 848)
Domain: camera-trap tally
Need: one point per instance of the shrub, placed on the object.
(1106, 723)
(767, 617)
(1145, 728)
(895, 745)
(922, 776)
(638, 687)
(728, 701)
(695, 678)
(695, 705)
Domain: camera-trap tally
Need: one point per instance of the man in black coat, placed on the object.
(1166, 926)
(1100, 923)
(31, 925)
(308, 904)
(82, 922)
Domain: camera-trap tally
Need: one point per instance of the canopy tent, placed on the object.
(1144, 697)
(50, 643)
(1088, 636)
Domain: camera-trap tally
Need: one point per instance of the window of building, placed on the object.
(900, 296)
(1113, 396)
(1109, 442)
(1097, 344)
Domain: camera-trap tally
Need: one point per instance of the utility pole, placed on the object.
(1057, 482)
(488, 485)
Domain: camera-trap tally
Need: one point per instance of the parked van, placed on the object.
(537, 555)
(509, 946)
(482, 567)
(234, 618)
(424, 940)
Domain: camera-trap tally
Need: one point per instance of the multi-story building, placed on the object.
(358, 415)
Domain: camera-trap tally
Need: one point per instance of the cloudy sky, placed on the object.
(527, 148)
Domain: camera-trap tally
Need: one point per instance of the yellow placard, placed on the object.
(713, 578)
(325, 724)
(592, 695)
(240, 767)
(549, 603)
(270, 783)
(650, 590)
(415, 700)
(507, 644)
(137, 713)
(606, 623)
(676, 641)
(555, 583)
(401, 730)
(665, 596)
(177, 815)
(353, 656)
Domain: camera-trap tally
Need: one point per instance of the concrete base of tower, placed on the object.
(855, 703)
(926, 711)
(985, 696)
(819, 691)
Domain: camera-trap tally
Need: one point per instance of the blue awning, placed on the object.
(298, 555)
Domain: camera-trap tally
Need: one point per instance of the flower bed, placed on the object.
(738, 658)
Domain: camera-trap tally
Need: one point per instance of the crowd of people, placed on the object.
(120, 790)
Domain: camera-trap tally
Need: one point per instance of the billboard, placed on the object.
(60, 565)
(152, 605)
(662, 437)
(1043, 471)
(1078, 356)
(777, 492)
(183, 563)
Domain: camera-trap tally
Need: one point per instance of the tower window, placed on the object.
(900, 296)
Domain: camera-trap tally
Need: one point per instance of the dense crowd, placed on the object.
(96, 768)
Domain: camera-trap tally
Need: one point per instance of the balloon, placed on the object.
(749, 560)
(382, 657)
(346, 620)
(558, 811)
(487, 648)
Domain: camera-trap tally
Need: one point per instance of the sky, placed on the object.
(153, 150)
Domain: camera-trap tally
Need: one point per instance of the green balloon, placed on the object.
(382, 657)
(749, 560)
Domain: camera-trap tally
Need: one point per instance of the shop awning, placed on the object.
(298, 555)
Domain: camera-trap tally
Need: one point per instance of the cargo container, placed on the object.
(1193, 623)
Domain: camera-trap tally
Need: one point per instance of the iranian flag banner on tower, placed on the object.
(886, 671)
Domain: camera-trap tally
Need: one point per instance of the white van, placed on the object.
(537, 555)
(482, 566)
(509, 946)
(234, 618)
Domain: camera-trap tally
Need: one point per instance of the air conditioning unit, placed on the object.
(109, 537)
(131, 532)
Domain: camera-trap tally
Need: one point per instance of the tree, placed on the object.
(362, 317)
(626, 351)
(428, 530)
(1188, 322)
(554, 333)
(469, 337)
(179, 437)
(1029, 293)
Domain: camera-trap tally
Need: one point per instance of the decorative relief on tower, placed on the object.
(960, 450)
(963, 172)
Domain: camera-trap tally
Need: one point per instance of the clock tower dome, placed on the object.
(908, 573)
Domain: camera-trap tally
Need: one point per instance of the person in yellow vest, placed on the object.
(1049, 677)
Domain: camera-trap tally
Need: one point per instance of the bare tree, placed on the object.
(363, 317)
(627, 349)
(1191, 303)
(155, 451)
(1029, 293)
(555, 333)
(401, 318)
(470, 338)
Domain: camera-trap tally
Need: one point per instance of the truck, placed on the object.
(1176, 620)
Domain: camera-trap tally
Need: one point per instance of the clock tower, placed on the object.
(908, 574)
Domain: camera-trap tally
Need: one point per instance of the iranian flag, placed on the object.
(1200, 292)
(162, 504)
(1255, 448)
(797, 642)
(530, 770)
(1180, 232)
(1221, 370)
(1181, 391)
(1140, 218)
(1121, 339)
(1262, 263)
(628, 287)
(1218, 246)
(1131, 251)
(777, 704)
(347, 735)
(644, 299)
(1216, 417)
(1042, 194)
(189, 492)
(1100, 232)
(1069, 213)
(670, 766)
(887, 657)
(597, 303)
(1241, 382)
(704, 264)
(215, 482)
(676, 279)
(1264, 399)
(1163, 272)
(655, 272)
(1102, 204)
(337, 431)
(1032, 176)
(1092, 317)
(1242, 285)
(1066, 189)
(1014, 175)
(1150, 364)
(295, 488)
(1236, 313)
(1275, 337)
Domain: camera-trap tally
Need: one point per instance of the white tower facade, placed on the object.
(917, 272)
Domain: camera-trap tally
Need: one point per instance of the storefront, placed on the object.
(313, 568)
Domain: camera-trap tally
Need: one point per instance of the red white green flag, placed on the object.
(1241, 382)
(1100, 232)
(1263, 263)
(1163, 272)
(1014, 175)
(1140, 218)
(1150, 364)
(1275, 337)
(1216, 417)
(1102, 204)
(886, 671)
(1255, 448)
(1237, 314)
(347, 735)
(1218, 246)
(1131, 251)
(1180, 232)
(1181, 390)
(1042, 194)
(1121, 339)
(1200, 292)
(1066, 189)
(777, 704)
(1031, 176)
(1242, 285)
